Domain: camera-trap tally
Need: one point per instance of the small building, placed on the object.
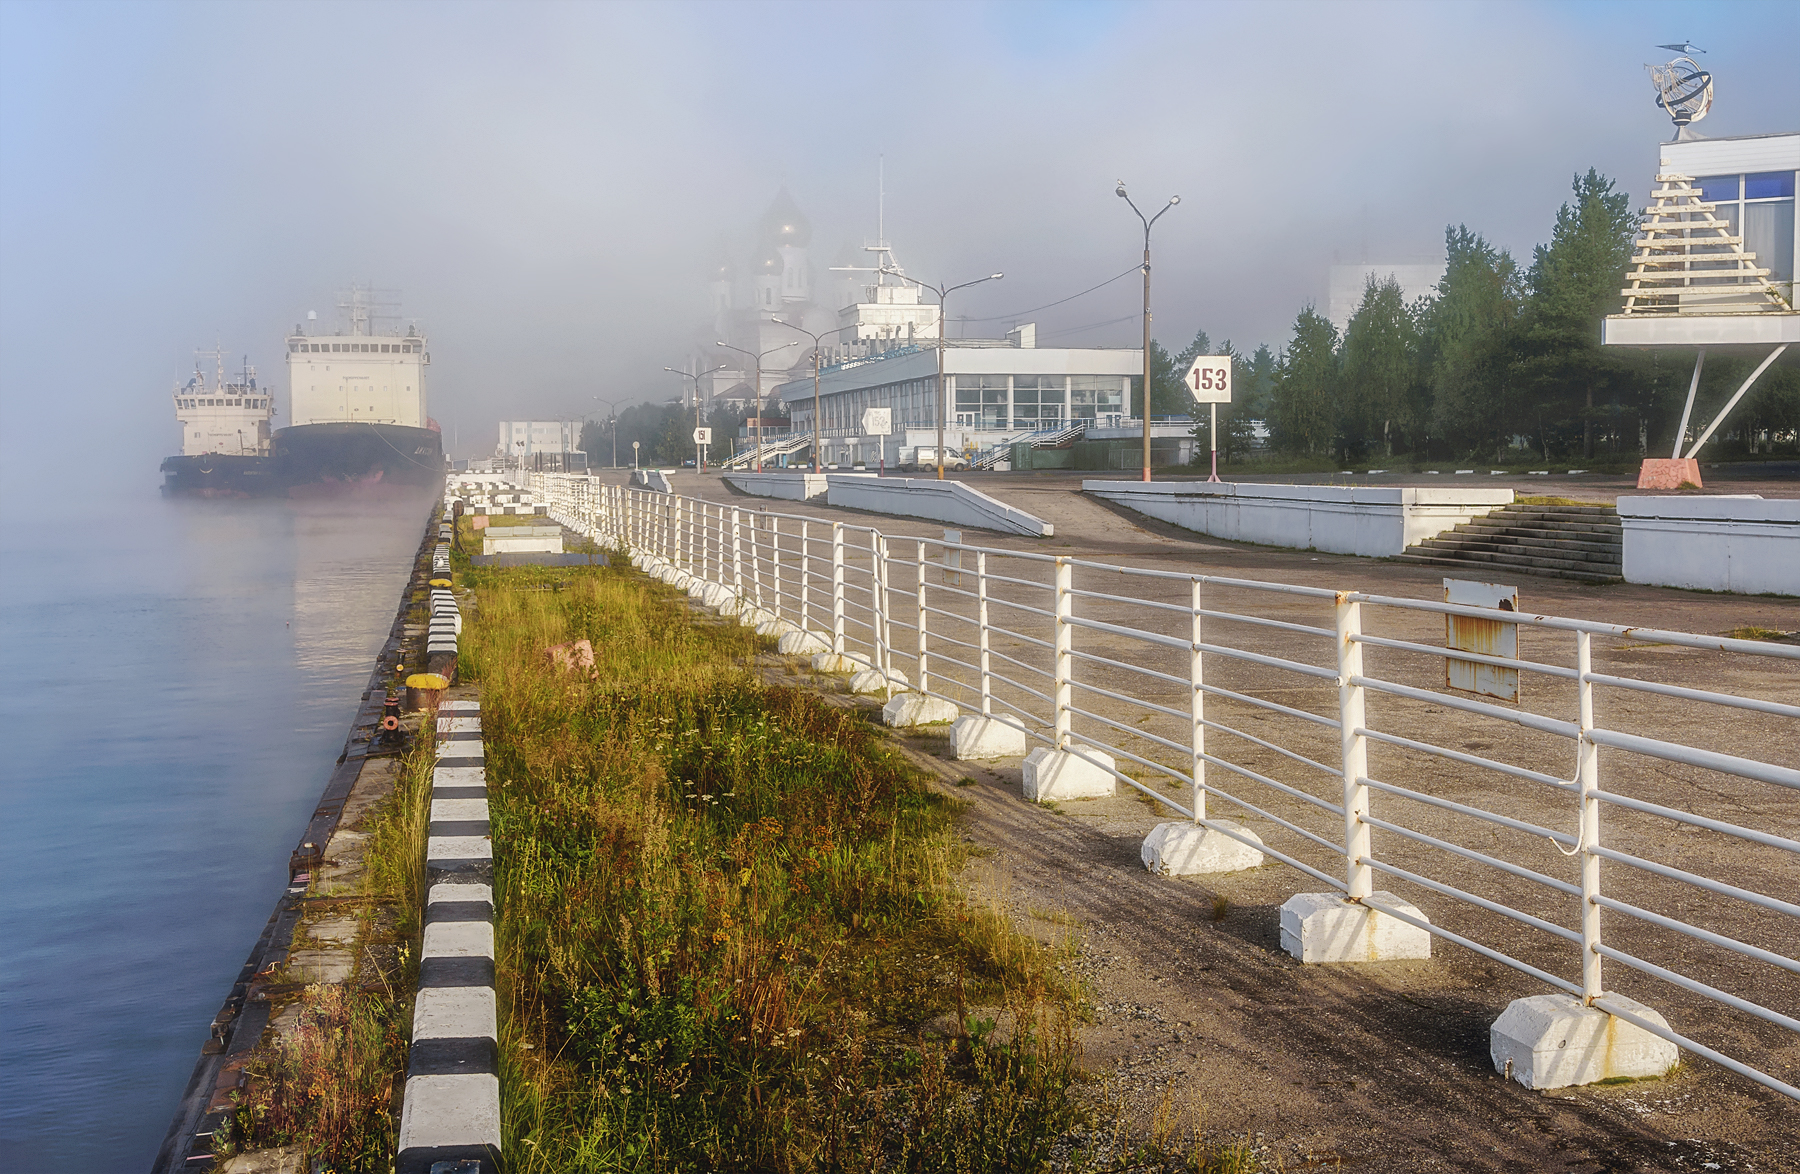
(997, 391)
(524, 438)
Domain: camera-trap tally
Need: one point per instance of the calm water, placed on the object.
(178, 680)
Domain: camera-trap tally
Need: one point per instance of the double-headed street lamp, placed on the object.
(818, 348)
(943, 402)
(759, 358)
(699, 457)
(1148, 224)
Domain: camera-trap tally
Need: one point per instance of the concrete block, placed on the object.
(1187, 849)
(1324, 927)
(731, 605)
(715, 594)
(873, 680)
(1553, 1041)
(774, 627)
(455, 1012)
(996, 736)
(751, 616)
(916, 709)
(1055, 775)
(459, 1110)
(458, 939)
(797, 643)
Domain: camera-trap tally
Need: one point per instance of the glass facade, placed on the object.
(1094, 396)
(1005, 403)
(1760, 208)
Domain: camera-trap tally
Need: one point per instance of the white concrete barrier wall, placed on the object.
(1744, 544)
(939, 501)
(1374, 521)
(786, 486)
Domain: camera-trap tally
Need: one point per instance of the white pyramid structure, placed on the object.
(1686, 260)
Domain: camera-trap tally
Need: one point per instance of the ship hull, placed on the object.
(328, 460)
(216, 475)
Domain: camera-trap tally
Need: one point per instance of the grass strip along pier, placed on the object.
(727, 935)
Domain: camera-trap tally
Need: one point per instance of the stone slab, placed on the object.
(916, 709)
(451, 1110)
(458, 939)
(975, 736)
(1324, 927)
(455, 1012)
(1182, 848)
(798, 643)
(1052, 776)
(1554, 1041)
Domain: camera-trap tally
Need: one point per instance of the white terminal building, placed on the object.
(880, 351)
(524, 438)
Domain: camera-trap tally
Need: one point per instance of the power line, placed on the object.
(1059, 301)
(1091, 325)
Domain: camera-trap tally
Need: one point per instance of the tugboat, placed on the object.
(225, 438)
(357, 399)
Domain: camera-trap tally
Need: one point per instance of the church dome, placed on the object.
(784, 225)
(769, 264)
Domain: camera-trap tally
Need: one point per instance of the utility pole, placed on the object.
(943, 402)
(759, 358)
(699, 454)
(818, 346)
(1148, 224)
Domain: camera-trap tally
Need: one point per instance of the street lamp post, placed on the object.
(699, 456)
(759, 358)
(818, 345)
(612, 423)
(942, 292)
(1148, 224)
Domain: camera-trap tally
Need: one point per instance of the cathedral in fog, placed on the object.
(857, 311)
(780, 282)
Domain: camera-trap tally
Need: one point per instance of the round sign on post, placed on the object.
(1209, 382)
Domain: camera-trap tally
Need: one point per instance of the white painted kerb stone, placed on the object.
(458, 939)
(1054, 775)
(1553, 1041)
(451, 1110)
(993, 736)
(1187, 849)
(876, 681)
(916, 709)
(455, 1012)
(1323, 927)
(449, 892)
(458, 810)
(798, 643)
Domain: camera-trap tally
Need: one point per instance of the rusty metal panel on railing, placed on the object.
(1484, 637)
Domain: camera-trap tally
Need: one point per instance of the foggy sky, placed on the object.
(546, 184)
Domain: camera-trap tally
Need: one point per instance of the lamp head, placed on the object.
(1122, 194)
(1174, 200)
(995, 276)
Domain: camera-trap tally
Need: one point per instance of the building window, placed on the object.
(1094, 396)
(981, 401)
(1759, 206)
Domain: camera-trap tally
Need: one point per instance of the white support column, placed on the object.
(1587, 777)
(981, 619)
(984, 735)
(1329, 927)
(775, 567)
(1057, 774)
(924, 654)
(805, 577)
(837, 588)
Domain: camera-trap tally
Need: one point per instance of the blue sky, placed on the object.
(545, 183)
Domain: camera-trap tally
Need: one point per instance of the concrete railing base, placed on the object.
(871, 680)
(798, 643)
(1188, 849)
(995, 736)
(1554, 1041)
(1324, 927)
(1054, 775)
(916, 709)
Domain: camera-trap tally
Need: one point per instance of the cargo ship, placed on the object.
(225, 441)
(357, 402)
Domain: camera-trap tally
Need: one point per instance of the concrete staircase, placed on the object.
(1579, 542)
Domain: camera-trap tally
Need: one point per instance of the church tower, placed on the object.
(785, 235)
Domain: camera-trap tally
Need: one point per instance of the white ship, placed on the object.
(225, 434)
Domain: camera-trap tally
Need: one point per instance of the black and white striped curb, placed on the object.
(451, 1112)
(446, 620)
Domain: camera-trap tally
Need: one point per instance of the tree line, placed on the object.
(1499, 360)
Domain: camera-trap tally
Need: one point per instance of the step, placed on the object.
(1520, 555)
(1525, 562)
(1527, 534)
(1503, 522)
(1598, 550)
(1541, 572)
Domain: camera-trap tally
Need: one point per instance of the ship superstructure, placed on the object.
(357, 402)
(225, 437)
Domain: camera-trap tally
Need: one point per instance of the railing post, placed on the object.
(775, 565)
(805, 579)
(837, 588)
(878, 594)
(981, 624)
(756, 556)
(1065, 651)
(924, 676)
(1355, 750)
(737, 555)
(1587, 764)
(1197, 707)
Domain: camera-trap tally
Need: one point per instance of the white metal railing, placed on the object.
(1268, 698)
